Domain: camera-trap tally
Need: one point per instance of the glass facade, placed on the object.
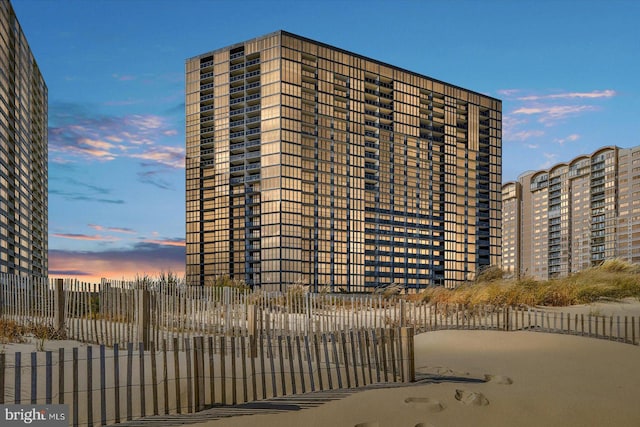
(309, 164)
(23, 154)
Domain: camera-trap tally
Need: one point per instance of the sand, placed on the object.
(532, 379)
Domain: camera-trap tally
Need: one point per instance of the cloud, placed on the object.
(552, 113)
(166, 242)
(83, 198)
(165, 155)
(571, 138)
(68, 273)
(151, 177)
(572, 95)
(76, 133)
(75, 236)
(85, 192)
(60, 161)
(524, 135)
(142, 258)
(508, 92)
(112, 229)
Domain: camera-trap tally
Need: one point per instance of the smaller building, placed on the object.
(23, 154)
(573, 215)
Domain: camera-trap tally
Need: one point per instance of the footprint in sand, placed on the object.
(368, 424)
(498, 379)
(443, 371)
(473, 398)
(424, 425)
(431, 405)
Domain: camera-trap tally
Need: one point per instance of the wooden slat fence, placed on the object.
(201, 372)
(120, 312)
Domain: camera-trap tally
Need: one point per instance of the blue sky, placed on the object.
(567, 72)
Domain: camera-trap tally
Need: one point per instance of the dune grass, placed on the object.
(613, 280)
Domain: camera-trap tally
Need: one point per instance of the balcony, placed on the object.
(208, 152)
(370, 134)
(205, 141)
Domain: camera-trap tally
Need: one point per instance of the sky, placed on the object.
(566, 71)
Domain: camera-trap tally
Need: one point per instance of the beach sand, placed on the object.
(535, 379)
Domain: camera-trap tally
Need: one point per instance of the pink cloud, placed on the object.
(166, 155)
(117, 264)
(112, 229)
(166, 242)
(109, 138)
(75, 236)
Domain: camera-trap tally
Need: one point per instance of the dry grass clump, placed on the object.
(14, 332)
(614, 279)
(390, 291)
(11, 331)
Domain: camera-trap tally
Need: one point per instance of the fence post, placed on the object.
(144, 317)
(58, 321)
(252, 320)
(406, 339)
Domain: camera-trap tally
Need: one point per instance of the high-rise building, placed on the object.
(573, 216)
(23, 154)
(310, 164)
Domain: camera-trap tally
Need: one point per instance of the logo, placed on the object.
(36, 415)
